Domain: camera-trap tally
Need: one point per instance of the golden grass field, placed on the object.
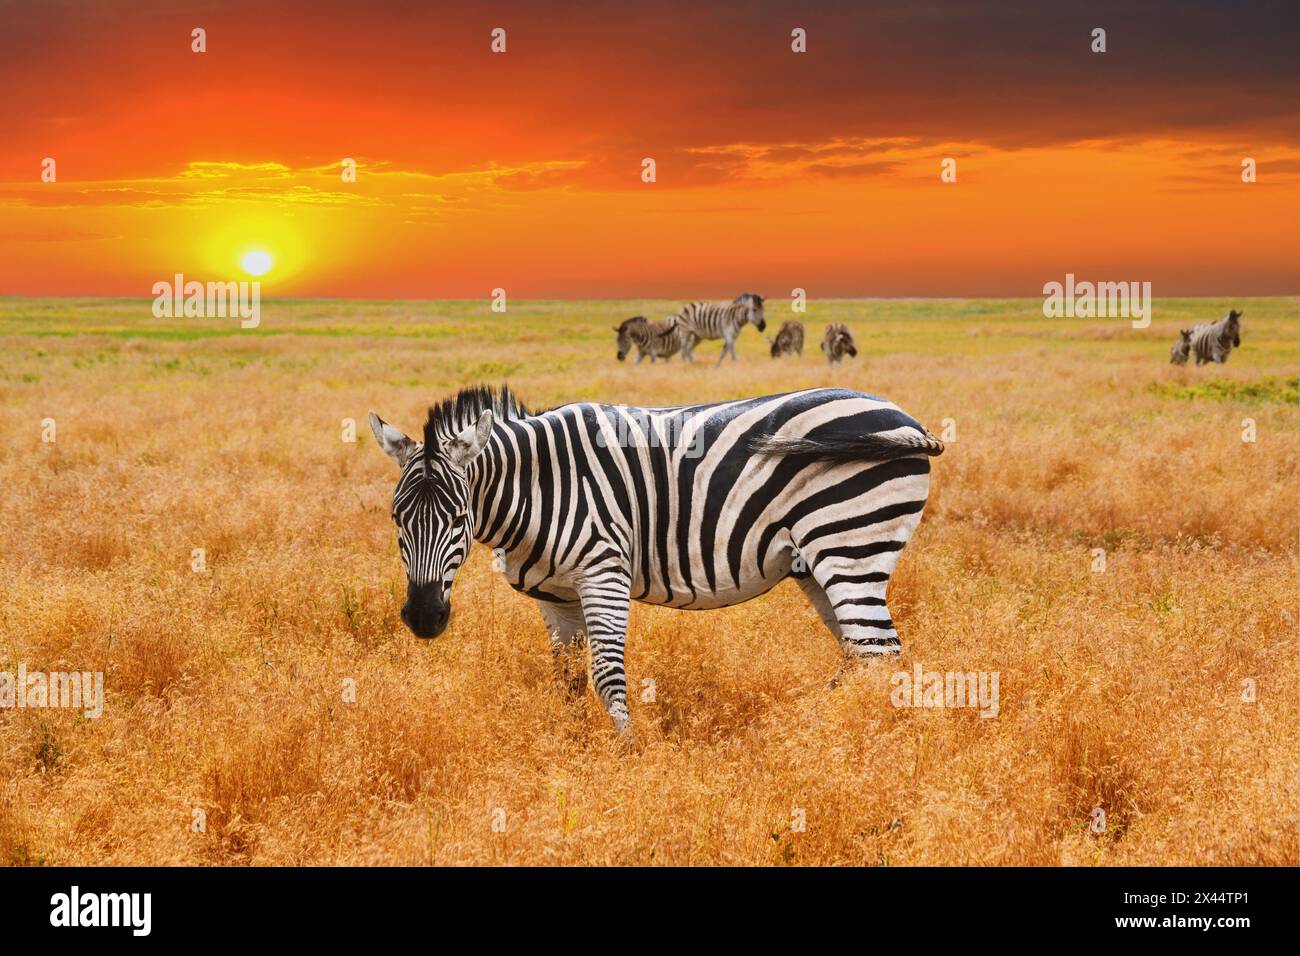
(1120, 690)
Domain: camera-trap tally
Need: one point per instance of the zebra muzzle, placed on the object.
(427, 610)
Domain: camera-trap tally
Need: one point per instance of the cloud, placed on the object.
(841, 158)
(206, 169)
(657, 80)
(217, 183)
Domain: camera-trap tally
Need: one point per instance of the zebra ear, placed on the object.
(465, 446)
(392, 442)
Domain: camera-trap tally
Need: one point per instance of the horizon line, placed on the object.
(632, 298)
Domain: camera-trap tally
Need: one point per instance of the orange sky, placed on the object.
(774, 169)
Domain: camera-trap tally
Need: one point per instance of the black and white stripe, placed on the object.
(589, 506)
(721, 320)
(1214, 341)
(659, 340)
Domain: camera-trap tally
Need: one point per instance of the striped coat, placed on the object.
(721, 320)
(1214, 341)
(788, 341)
(659, 340)
(590, 506)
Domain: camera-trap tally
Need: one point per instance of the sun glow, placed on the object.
(256, 262)
(239, 241)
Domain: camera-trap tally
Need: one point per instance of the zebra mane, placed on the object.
(457, 413)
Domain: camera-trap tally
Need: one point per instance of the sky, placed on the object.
(774, 169)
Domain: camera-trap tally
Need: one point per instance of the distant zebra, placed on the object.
(656, 339)
(721, 320)
(1179, 350)
(1214, 341)
(588, 507)
(838, 342)
(788, 341)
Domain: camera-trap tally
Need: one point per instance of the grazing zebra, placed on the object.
(656, 339)
(588, 507)
(721, 320)
(838, 342)
(1214, 341)
(1179, 350)
(788, 341)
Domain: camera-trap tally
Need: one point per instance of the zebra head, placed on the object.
(755, 303)
(431, 509)
(624, 331)
(1179, 351)
(1234, 327)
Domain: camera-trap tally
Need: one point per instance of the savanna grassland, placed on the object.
(1125, 689)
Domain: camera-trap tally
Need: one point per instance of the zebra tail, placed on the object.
(882, 446)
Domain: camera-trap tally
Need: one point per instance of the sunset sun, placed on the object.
(256, 262)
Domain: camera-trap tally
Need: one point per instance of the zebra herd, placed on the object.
(837, 341)
(590, 506)
(1208, 341)
(698, 321)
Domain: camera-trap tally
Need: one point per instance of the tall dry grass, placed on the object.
(1120, 690)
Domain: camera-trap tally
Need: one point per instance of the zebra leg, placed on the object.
(727, 345)
(822, 604)
(564, 624)
(605, 606)
(854, 573)
(857, 599)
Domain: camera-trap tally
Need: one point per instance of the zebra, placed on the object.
(588, 507)
(1214, 341)
(656, 339)
(838, 342)
(789, 340)
(1179, 350)
(721, 320)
